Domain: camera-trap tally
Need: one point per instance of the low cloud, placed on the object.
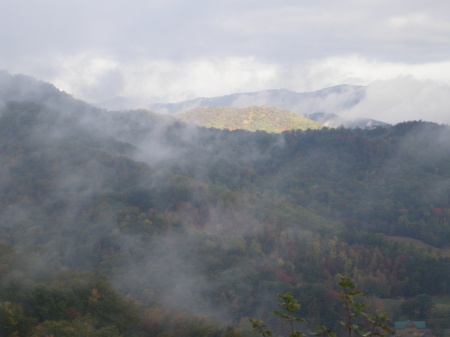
(94, 76)
(169, 81)
(396, 91)
(405, 98)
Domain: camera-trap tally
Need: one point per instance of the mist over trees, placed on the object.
(130, 223)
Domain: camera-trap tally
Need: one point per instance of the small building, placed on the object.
(411, 329)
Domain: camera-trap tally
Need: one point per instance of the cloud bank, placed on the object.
(405, 98)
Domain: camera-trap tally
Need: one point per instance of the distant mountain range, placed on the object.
(323, 106)
(270, 119)
(331, 99)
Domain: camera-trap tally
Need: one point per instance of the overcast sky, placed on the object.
(172, 50)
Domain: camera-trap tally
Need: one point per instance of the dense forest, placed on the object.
(129, 223)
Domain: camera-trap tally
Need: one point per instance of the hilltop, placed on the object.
(264, 118)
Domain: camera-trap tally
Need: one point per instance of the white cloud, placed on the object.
(355, 69)
(173, 81)
(92, 76)
(405, 98)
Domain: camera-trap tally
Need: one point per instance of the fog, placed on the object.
(402, 99)
(69, 137)
(175, 214)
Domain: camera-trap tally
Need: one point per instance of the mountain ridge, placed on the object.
(330, 101)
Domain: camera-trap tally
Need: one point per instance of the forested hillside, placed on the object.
(136, 224)
(253, 118)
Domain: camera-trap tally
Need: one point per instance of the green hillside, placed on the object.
(126, 224)
(270, 119)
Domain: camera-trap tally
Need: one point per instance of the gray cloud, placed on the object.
(277, 30)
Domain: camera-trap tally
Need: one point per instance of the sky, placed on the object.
(173, 50)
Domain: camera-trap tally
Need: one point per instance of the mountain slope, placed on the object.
(253, 118)
(186, 220)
